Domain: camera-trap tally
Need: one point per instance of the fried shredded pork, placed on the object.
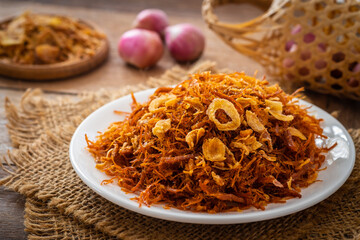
(213, 143)
(45, 39)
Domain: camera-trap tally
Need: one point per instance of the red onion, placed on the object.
(296, 29)
(185, 42)
(141, 48)
(308, 38)
(356, 69)
(152, 19)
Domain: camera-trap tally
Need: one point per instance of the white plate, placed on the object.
(339, 166)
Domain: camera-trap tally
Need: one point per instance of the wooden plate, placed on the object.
(57, 70)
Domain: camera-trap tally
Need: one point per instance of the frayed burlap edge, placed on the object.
(73, 203)
(45, 223)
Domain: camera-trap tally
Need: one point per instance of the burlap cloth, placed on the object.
(60, 206)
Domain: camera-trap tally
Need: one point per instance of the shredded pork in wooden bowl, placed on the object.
(46, 39)
(45, 47)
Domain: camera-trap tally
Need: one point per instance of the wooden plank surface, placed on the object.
(11, 214)
(116, 17)
(11, 203)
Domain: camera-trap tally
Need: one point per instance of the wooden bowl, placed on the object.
(57, 70)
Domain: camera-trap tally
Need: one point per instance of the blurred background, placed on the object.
(114, 17)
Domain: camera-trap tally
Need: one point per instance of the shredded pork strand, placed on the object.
(257, 146)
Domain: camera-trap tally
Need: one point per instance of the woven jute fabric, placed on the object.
(60, 206)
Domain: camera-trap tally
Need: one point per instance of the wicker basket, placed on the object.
(313, 43)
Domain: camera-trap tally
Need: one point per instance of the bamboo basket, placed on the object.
(315, 44)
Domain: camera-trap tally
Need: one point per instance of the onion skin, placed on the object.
(185, 42)
(152, 19)
(140, 48)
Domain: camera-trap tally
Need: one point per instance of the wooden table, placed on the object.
(117, 17)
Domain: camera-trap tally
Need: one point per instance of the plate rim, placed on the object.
(217, 218)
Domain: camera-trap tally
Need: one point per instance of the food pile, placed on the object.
(45, 39)
(213, 143)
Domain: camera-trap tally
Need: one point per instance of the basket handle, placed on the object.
(240, 36)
